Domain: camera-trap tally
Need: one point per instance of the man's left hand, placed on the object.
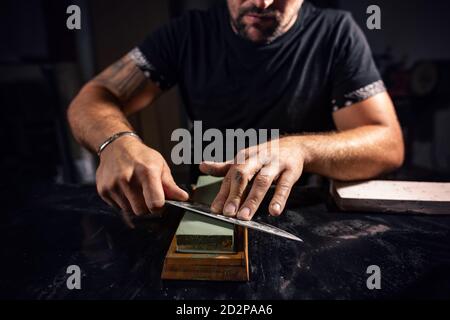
(279, 161)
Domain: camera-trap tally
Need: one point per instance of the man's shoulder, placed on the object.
(331, 16)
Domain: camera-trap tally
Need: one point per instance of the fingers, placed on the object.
(261, 185)
(118, 201)
(121, 201)
(114, 199)
(137, 181)
(239, 177)
(216, 169)
(135, 198)
(157, 189)
(282, 191)
(152, 190)
(144, 194)
(171, 190)
(221, 197)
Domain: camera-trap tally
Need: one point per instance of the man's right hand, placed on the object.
(131, 176)
(135, 178)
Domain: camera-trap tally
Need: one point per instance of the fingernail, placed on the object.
(244, 213)
(215, 208)
(230, 209)
(276, 207)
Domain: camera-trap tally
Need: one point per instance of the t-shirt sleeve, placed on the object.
(159, 55)
(355, 75)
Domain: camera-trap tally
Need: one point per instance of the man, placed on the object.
(245, 64)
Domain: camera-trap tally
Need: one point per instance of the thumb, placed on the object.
(171, 190)
(217, 169)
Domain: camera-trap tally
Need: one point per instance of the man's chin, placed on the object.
(256, 35)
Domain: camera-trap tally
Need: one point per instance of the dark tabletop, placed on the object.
(58, 226)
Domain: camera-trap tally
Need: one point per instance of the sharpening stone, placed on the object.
(200, 234)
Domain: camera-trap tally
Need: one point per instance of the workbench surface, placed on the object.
(58, 226)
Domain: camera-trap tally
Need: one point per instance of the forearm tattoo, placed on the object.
(123, 79)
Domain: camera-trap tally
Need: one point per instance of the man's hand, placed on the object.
(131, 176)
(279, 161)
(135, 178)
(367, 143)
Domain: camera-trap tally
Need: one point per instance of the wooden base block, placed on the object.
(210, 267)
(393, 196)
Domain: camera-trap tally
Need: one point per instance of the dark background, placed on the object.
(43, 65)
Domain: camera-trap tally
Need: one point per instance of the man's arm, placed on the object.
(131, 176)
(368, 142)
(101, 107)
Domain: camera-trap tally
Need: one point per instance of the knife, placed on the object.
(204, 210)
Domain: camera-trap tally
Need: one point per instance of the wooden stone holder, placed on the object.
(209, 267)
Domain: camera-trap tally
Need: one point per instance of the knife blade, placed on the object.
(259, 226)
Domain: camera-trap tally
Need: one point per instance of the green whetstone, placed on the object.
(200, 234)
(206, 189)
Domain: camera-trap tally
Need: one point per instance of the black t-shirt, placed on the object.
(294, 84)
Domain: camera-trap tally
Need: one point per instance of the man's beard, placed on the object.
(268, 33)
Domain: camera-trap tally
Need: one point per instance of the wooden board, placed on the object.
(210, 267)
(393, 196)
